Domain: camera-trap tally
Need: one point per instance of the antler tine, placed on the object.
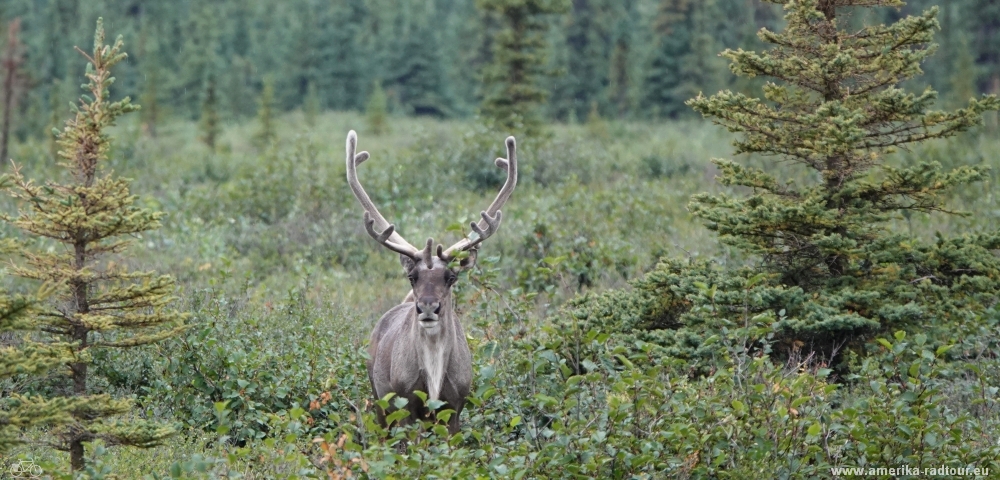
(373, 219)
(384, 238)
(492, 215)
(426, 255)
(492, 224)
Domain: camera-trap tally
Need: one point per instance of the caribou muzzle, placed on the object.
(428, 310)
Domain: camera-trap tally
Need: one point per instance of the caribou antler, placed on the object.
(492, 215)
(385, 233)
(374, 221)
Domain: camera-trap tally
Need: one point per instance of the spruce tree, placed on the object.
(683, 62)
(963, 77)
(239, 78)
(985, 16)
(310, 106)
(620, 87)
(834, 107)
(197, 58)
(57, 109)
(597, 126)
(97, 303)
(151, 114)
(419, 77)
(209, 121)
(512, 94)
(376, 110)
(340, 58)
(265, 134)
(587, 35)
(152, 77)
(701, 68)
(663, 74)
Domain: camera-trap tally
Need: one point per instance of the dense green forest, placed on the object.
(748, 239)
(626, 59)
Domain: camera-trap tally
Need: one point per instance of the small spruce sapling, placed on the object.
(210, 113)
(265, 135)
(310, 107)
(376, 111)
(97, 302)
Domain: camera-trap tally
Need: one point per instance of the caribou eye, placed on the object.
(412, 276)
(450, 277)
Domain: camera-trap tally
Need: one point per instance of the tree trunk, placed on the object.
(835, 165)
(11, 65)
(76, 456)
(8, 105)
(79, 369)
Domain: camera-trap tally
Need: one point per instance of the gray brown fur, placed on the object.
(420, 344)
(393, 366)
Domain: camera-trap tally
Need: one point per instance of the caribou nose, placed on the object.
(428, 304)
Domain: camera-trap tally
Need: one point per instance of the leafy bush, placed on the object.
(232, 370)
(621, 414)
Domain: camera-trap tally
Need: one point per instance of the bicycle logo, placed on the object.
(26, 469)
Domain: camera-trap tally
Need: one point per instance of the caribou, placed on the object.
(419, 345)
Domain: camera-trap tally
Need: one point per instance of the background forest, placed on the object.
(666, 298)
(637, 59)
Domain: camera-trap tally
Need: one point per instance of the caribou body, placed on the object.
(419, 344)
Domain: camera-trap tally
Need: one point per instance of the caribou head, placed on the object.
(419, 344)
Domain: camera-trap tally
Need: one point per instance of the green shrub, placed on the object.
(235, 357)
(621, 414)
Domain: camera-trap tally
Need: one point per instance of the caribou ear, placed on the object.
(407, 263)
(467, 262)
